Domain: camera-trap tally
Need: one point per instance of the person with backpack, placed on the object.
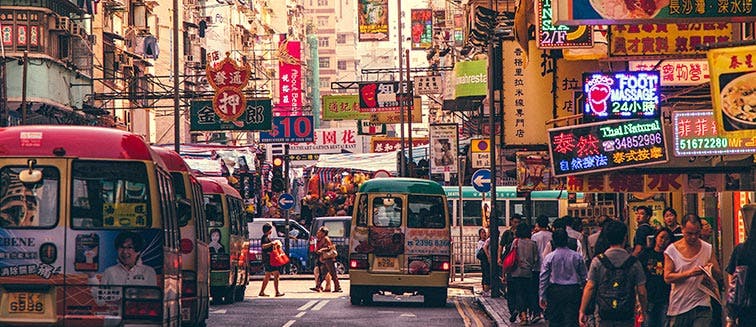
(644, 230)
(562, 275)
(741, 270)
(615, 278)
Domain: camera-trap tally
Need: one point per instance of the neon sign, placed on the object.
(621, 95)
(603, 146)
(696, 135)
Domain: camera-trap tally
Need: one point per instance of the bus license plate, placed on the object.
(386, 264)
(26, 303)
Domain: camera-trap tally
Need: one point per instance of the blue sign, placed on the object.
(481, 180)
(621, 95)
(290, 129)
(286, 201)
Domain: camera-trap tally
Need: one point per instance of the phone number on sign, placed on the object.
(637, 141)
(428, 243)
(706, 143)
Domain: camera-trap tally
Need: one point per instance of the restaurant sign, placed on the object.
(612, 12)
(604, 146)
(621, 95)
(695, 134)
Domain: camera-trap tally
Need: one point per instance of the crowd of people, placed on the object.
(670, 276)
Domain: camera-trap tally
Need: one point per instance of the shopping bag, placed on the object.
(278, 257)
(509, 263)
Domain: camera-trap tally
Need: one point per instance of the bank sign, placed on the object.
(604, 146)
(621, 95)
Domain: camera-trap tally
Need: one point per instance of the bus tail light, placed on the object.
(358, 261)
(189, 284)
(142, 302)
(440, 263)
(313, 242)
(186, 245)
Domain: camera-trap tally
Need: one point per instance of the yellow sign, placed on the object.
(733, 90)
(661, 39)
(124, 215)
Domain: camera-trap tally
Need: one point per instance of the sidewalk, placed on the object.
(496, 308)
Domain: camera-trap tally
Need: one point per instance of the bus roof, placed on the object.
(401, 185)
(212, 185)
(76, 141)
(506, 192)
(172, 160)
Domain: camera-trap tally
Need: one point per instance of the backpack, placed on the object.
(616, 292)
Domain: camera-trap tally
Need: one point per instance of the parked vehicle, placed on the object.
(298, 243)
(339, 228)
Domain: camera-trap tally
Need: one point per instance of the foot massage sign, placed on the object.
(596, 147)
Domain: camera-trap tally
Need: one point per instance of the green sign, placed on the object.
(257, 116)
(342, 107)
(471, 78)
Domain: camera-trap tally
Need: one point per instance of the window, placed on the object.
(214, 210)
(324, 62)
(425, 212)
(325, 83)
(341, 38)
(22, 206)
(387, 212)
(342, 64)
(362, 210)
(323, 42)
(111, 195)
(336, 228)
(322, 20)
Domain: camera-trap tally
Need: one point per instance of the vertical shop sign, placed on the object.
(553, 36)
(290, 78)
(526, 88)
(373, 21)
(422, 28)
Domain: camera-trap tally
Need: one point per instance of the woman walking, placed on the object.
(326, 265)
(519, 280)
(481, 252)
(267, 247)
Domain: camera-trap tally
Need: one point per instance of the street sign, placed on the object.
(481, 180)
(481, 153)
(286, 201)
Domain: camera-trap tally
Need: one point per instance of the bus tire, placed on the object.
(228, 295)
(435, 297)
(357, 294)
(239, 293)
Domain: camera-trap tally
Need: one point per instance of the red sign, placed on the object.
(290, 79)
(229, 103)
(228, 79)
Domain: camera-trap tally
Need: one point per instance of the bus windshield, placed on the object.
(109, 194)
(28, 206)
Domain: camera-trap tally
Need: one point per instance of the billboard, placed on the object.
(444, 150)
(621, 95)
(373, 22)
(733, 90)
(471, 79)
(422, 28)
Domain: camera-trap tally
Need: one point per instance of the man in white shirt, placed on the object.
(542, 236)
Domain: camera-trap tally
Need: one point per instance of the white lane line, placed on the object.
(219, 311)
(320, 305)
(307, 305)
(289, 323)
(299, 315)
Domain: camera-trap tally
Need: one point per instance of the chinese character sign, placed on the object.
(422, 28)
(256, 117)
(389, 144)
(347, 107)
(229, 79)
(621, 95)
(733, 90)
(373, 20)
(661, 39)
(695, 134)
(383, 96)
(552, 36)
(650, 11)
(675, 72)
(606, 146)
(289, 79)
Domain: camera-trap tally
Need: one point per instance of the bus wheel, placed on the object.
(356, 294)
(240, 290)
(435, 296)
(293, 268)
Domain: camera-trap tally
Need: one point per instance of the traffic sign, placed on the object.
(481, 180)
(286, 201)
(481, 153)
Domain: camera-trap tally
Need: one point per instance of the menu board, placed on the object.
(621, 95)
(595, 147)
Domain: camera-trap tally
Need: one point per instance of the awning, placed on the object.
(368, 162)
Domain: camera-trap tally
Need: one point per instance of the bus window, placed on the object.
(471, 210)
(110, 194)
(387, 212)
(180, 190)
(215, 214)
(425, 211)
(362, 210)
(28, 206)
(546, 208)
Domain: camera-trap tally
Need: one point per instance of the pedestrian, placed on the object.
(743, 260)
(505, 240)
(316, 270)
(573, 243)
(267, 247)
(593, 238)
(652, 261)
(481, 253)
(519, 282)
(644, 230)
(614, 279)
(562, 276)
(327, 266)
(542, 237)
(686, 264)
(670, 223)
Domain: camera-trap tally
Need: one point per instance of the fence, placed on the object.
(463, 258)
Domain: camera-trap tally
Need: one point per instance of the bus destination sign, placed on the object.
(621, 95)
(602, 146)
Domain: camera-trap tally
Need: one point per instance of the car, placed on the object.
(298, 243)
(339, 228)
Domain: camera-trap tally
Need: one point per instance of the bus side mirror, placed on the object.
(30, 177)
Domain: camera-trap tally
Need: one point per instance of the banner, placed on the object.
(612, 12)
(733, 90)
(443, 154)
(256, 116)
(347, 107)
(422, 29)
(373, 20)
(289, 79)
(665, 39)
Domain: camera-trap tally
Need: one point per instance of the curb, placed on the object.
(497, 319)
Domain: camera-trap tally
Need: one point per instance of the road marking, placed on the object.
(219, 311)
(289, 323)
(472, 313)
(461, 313)
(307, 305)
(320, 305)
(299, 315)
(408, 315)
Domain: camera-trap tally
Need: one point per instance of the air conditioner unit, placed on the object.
(75, 29)
(62, 23)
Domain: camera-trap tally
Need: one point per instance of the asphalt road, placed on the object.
(302, 307)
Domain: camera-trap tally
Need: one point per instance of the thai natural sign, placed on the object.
(621, 95)
(606, 146)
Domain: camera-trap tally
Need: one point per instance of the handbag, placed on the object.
(738, 300)
(278, 257)
(328, 255)
(509, 263)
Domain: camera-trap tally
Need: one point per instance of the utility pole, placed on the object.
(176, 98)
(402, 161)
(409, 95)
(23, 88)
(493, 218)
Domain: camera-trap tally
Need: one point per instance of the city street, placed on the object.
(302, 307)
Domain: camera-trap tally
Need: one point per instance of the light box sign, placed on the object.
(613, 12)
(605, 146)
(696, 135)
(553, 36)
(384, 96)
(621, 95)
(289, 129)
(686, 72)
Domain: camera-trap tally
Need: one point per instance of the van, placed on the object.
(339, 228)
(298, 243)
